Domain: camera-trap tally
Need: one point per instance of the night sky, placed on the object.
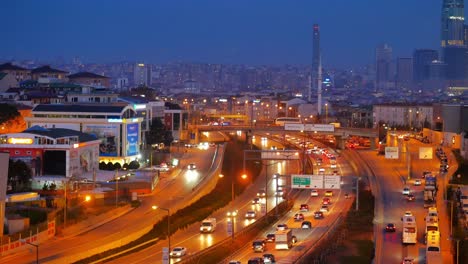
(215, 31)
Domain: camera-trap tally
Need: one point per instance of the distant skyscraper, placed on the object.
(456, 58)
(452, 24)
(315, 57)
(422, 58)
(142, 74)
(404, 72)
(383, 62)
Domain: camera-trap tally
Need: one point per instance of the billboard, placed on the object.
(425, 152)
(391, 152)
(309, 127)
(132, 139)
(108, 134)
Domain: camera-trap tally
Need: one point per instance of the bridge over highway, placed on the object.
(340, 133)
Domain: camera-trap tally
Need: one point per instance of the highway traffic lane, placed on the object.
(191, 237)
(319, 226)
(58, 248)
(306, 238)
(389, 175)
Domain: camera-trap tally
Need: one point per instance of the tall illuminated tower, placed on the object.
(452, 24)
(316, 68)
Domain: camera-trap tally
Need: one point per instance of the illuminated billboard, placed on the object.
(108, 134)
(132, 139)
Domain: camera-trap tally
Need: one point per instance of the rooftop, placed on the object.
(80, 108)
(46, 68)
(60, 133)
(86, 75)
(10, 67)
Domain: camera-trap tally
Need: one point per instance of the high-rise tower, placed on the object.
(452, 26)
(316, 68)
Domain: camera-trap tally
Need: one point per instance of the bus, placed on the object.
(433, 255)
(280, 121)
(410, 231)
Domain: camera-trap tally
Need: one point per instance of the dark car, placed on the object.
(390, 227)
(410, 197)
(270, 237)
(318, 215)
(306, 225)
(304, 208)
(298, 217)
(256, 200)
(259, 246)
(256, 260)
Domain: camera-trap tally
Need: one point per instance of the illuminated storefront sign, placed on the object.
(132, 139)
(20, 140)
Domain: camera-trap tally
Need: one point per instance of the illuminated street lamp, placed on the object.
(231, 217)
(154, 207)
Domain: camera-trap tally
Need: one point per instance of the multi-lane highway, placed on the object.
(391, 176)
(306, 237)
(172, 191)
(194, 241)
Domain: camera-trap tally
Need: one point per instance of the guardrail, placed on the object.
(303, 258)
(283, 207)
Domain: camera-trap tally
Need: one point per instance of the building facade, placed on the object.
(116, 126)
(452, 23)
(54, 151)
(421, 59)
(403, 115)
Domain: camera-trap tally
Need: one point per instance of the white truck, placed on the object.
(208, 225)
(283, 239)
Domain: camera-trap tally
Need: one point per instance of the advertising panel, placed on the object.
(319, 127)
(132, 139)
(391, 152)
(108, 134)
(425, 152)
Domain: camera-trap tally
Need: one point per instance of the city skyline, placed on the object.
(208, 31)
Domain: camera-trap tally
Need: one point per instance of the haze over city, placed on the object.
(209, 31)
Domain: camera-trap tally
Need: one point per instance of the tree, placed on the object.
(158, 133)
(8, 112)
(19, 175)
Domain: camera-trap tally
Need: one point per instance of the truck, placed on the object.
(410, 232)
(429, 199)
(431, 183)
(208, 225)
(283, 239)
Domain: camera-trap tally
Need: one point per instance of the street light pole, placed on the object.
(117, 178)
(34, 245)
(266, 192)
(154, 207)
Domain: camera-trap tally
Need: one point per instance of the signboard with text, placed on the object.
(391, 152)
(310, 127)
(279, 155)
(332, 181)
(307, 181)
(425, 152)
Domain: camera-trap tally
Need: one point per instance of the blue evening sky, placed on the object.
(216, 31)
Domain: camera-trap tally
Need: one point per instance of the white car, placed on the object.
(250, 214)
(406, 191)
(314, 193)
(408, 213)
(282, 227)
(321, 171)
(324, 208)
(178, 252)
(417, 182)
